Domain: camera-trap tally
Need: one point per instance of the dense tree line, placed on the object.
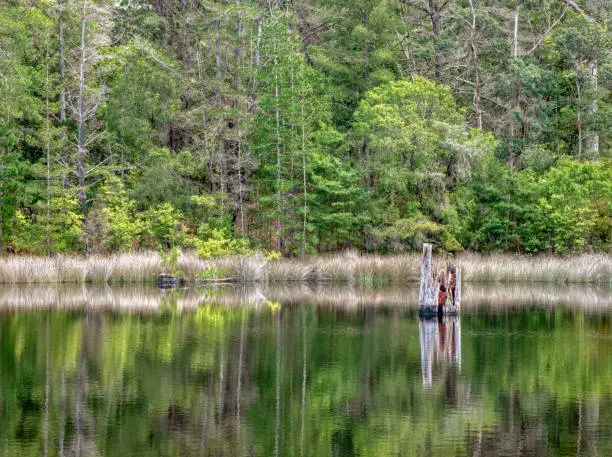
(305, 126)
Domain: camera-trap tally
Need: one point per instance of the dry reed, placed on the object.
(349, 267)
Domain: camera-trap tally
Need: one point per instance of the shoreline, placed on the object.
(347, 268)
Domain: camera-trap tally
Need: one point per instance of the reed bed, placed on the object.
(585, 268)
(348, 267)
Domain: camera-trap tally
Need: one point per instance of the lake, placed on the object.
(304, 370)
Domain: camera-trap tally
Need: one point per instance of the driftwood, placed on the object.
(436, 294)
(166, 281)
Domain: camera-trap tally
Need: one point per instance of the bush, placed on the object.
(219, 245)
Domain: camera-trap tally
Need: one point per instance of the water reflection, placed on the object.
(275, 378)
(440, 340)
(149, 299)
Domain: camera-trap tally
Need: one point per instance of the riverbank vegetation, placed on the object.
(303, 127)
(349, 268)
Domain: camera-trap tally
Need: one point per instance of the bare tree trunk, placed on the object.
(240, 199)
(208, 153)
(516, 24)
(474, 53)
(279, 243)
(592, 138)
(579, 119)
(217, 51)
(410, 65)
(434, 12)
(222, 182)
(366, 54)
(368, 172)
(2, 151)
(304, 178)
(258, 42)
(48, 151)
(237, 57)
(81, 115)
(62, 65)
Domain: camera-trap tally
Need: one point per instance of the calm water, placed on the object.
(140, 373)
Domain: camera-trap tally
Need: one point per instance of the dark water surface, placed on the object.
(137, 373)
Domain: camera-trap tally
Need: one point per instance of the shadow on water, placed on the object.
(135, 371)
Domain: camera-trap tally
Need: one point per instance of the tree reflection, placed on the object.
(440, 340)
(304, 381)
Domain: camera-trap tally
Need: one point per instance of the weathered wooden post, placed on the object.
(429, 292)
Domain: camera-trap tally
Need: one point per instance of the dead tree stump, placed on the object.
(429, 292)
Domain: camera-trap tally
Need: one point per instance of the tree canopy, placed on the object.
(305, 127)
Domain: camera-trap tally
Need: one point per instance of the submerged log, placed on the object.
(166, 281)
(438, 296)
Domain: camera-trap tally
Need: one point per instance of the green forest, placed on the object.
(305, 127)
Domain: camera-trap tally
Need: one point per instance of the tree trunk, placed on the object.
(474, 54)
(62, 65)
(435, 16)
(237, 57)
(304, 178)
(217, 52)
(48, 154)
(240, 199)
(579, 119)
(366, 54)
(81, 115)
(279, 243)
(592, 137)
(516, 24)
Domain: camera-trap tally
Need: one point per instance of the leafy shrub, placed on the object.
(220, 244)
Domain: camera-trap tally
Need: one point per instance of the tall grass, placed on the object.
(349, 267)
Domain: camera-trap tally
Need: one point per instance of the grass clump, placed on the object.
(349, 268)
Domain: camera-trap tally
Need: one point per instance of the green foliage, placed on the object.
(219, 244)
(163, 227)
(59, 230)
(170, 261)
(210, 273)
(273, 256)
(558, 211)
(308, 128)
(125, 229)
